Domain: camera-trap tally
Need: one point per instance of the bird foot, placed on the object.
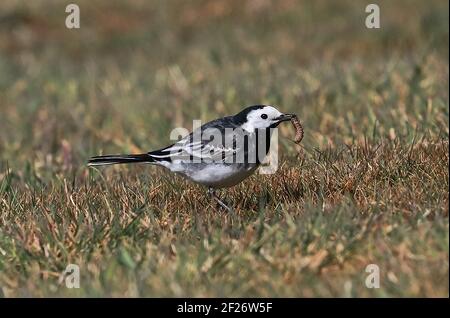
(213, 195)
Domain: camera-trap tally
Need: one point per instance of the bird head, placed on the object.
(261, 117)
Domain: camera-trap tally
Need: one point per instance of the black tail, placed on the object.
(117, 159)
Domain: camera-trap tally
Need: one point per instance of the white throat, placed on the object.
(248, 127)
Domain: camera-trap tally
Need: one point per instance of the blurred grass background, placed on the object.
(369, 184)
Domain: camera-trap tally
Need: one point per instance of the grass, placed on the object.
(369, 183)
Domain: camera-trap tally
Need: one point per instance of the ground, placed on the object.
(368, 185)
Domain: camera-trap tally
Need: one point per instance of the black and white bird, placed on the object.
(220, 153)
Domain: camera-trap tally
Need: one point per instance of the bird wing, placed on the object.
(215, 141)
(210, 151)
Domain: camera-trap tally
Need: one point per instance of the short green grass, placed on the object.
(368, 185)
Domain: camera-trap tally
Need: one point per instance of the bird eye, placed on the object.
(264, 116)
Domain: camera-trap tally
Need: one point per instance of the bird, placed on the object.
(219, 154)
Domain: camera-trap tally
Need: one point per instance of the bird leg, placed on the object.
(213, 194)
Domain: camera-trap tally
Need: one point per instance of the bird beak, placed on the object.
(285, 117)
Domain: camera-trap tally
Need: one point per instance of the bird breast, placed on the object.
(219, 175)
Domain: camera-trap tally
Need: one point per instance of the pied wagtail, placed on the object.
(229, 154)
